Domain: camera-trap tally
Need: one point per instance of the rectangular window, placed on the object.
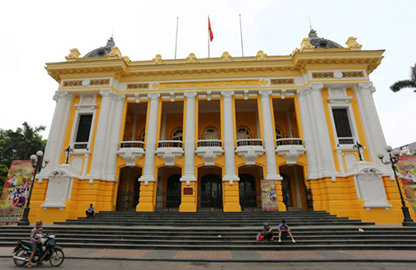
(83, 132)
(342, 126)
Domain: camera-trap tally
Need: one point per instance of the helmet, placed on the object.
(39, 222)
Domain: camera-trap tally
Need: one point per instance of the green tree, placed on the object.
(18, 145)
(399, 85)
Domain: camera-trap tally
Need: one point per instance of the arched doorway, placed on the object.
(248, 194)
(210, 194)
(293, 187)
(173, 195)
(168, 194)
(129, 189)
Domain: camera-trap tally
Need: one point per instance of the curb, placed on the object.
(238, 261)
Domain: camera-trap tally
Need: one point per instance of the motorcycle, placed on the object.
(47, 251)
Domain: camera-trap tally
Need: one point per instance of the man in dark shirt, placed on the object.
(90, 211)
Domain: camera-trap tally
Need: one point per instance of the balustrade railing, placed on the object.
(249, 142)
(289, 141)
(209, 143)
(345, 140)
(169, 143)
(132, 144)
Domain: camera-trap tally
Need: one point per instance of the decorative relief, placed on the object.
(282, 81)
(72, 83)
(264, 82)
(353, 74)
(131, 86)
(155, 85)
(85, 83)
(206, 84)
(100, 82)
(322, 75)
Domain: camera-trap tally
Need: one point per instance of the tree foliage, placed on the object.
(399, 85)
(18, 145)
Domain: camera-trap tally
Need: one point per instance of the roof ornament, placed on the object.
(102, 51)
(313, 34)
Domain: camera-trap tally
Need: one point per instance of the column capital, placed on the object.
(316, 87)
(366, 86)
(265, 93)
(227, 94)
(190, 95)
(302, 92)
(61, 94)
(106, 93)
(153, 96)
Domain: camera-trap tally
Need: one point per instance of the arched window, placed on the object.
(243, 133)
(211, 134)
(177, 134)
(279, 133)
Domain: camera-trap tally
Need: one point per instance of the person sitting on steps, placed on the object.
(267, 233)
(284, 230)
(90, 211)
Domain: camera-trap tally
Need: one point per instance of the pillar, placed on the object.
(189, 202)
(231, 193)
(148, 183)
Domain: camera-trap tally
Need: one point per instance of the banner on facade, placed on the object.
(15, 191)
(407, 174)
(268, 195)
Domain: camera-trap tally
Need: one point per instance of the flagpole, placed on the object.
(241, 34)
(176, 40)
(208, 38)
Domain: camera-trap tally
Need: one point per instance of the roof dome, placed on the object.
(322, 43)
(102, 51)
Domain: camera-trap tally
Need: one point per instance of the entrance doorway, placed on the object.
(249, 187)
(293, 188)
(129, 189)
(210, 193)
(168, 194)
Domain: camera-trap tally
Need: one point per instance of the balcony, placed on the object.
(209, 150)
(346, 141)
(131, 151)
(169, 151)
(250, 149)
(290, 148)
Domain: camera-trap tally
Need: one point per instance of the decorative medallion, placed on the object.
(264, 82)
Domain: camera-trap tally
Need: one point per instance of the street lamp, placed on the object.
(36, 166)
(393, 159)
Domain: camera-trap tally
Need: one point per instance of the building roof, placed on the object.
(102, 51)
(322, 43)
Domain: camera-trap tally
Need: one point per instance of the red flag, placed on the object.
(211, 35)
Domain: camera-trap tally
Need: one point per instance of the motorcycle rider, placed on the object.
(34, 242)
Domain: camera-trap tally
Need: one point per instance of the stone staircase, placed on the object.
(217, 231)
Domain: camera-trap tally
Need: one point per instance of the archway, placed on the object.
(211, 191)
(249, 187)
(128, 189)
(293, 188)
(168, 194)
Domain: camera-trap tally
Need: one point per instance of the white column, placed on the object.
(149, 161)
(189, 174)
(269, 139)
(54, 146)
(373, 132)
(229, 130)
(114, 136)
(326, 152)
(101, 137)
(308, 136)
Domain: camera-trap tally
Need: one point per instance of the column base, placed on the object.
(273, 176)
(188, 178)
(189, 196)
(231, 197)
(230, 178)
(147, 199)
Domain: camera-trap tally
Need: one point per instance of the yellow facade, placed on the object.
(135, 106)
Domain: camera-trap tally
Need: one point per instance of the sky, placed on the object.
(33, 33)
